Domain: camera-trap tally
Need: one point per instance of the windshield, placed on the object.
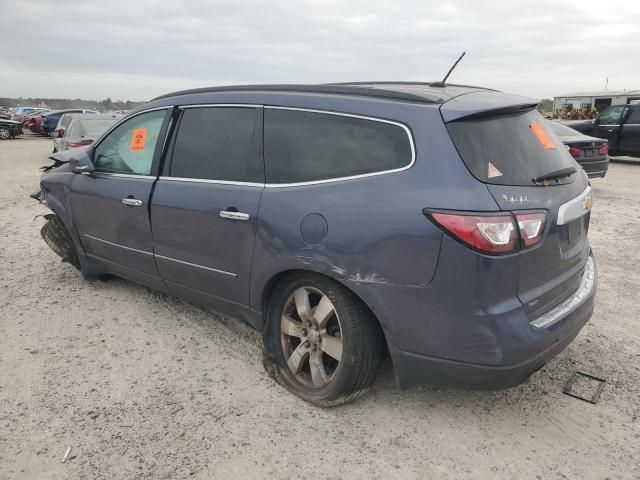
(95, 127)
(511, 149)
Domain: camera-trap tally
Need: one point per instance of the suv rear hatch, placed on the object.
(504, 143)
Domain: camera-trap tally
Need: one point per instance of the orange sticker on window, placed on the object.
(542, 136)
(138, 138)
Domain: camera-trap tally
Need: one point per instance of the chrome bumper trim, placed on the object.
(570, 304)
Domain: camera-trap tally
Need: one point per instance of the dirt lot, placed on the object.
(142, 385)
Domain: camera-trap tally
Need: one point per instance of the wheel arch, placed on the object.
(277, 277)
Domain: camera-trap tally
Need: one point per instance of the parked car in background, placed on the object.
(589, 152)
(446, 225)
(33, 122)
(619, 125)
(20, 112)
(10, 129)
(50, 121)
(83, 129)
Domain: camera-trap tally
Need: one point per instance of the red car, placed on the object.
(32, 122)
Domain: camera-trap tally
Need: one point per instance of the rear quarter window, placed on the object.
(303, 146)
(511, 149)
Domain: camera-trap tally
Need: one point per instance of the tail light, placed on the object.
(531, 226)
(604, 149)
(575, 151)
(492, 233)
(60, 132)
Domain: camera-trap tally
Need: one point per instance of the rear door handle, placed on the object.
(132, 202)
(234, 215)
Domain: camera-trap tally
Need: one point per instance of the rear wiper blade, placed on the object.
(563, 172)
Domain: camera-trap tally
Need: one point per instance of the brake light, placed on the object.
(486, 233)
(61, 133)
(604, 149)
(493, 233)
(575, 151)
(531, 227)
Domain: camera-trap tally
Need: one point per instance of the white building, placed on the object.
(597, 100)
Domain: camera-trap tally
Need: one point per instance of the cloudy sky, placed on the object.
(137, 49)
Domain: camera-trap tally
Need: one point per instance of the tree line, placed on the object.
(65, 103)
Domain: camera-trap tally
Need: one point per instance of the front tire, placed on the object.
(5, 133)
(321, 342)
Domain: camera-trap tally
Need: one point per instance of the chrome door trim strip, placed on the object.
(576, 207)
(218, 182)
(116, 244)
(120, 175)
(574, 300)
(223, 272)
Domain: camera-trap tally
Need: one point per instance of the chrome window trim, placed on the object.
(223, 272)
(571, 303)
(217, 182)
(121, 175)
(352, 177)
(97, 143)
(215, 105)
(574, 208)
(311, 182)
(116, 244)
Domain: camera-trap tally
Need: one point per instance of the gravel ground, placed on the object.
(143, 385)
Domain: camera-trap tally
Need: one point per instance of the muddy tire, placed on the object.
(320, 341)
(56, 236)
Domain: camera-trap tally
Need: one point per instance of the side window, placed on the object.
(130, 147)
(611, 116)
(217, 143)
(302, 146)
(634, 116)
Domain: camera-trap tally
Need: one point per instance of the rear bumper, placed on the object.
(412, 369)
(491, 349)
(595, 168)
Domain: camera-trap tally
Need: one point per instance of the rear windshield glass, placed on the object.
(512, 149)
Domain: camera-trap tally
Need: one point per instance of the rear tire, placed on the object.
(320, 341)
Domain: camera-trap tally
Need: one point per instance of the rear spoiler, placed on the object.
(483, 104)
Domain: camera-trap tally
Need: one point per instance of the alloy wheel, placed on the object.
(311, 336)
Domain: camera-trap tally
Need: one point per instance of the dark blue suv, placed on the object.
(445, 226)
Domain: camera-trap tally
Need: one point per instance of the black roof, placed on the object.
(435, 92)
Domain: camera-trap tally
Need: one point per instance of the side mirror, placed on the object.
(595, 121)
(82, 164)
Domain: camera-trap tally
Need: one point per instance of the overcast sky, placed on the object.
(137, 49)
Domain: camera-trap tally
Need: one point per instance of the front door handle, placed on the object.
(231, 215)
(132, 202)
